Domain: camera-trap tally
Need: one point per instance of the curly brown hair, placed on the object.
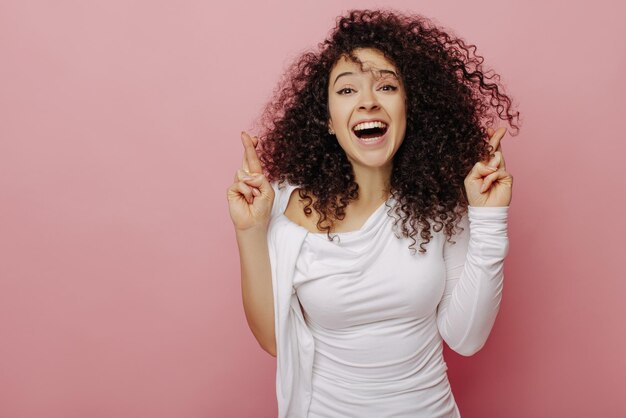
(450, 101)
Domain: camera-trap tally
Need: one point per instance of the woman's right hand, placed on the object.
(251, 196)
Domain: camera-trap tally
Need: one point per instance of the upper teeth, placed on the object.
(369, 125)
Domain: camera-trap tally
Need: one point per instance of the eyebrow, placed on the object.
(393, 73)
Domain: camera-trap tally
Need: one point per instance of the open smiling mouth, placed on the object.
(370, 131)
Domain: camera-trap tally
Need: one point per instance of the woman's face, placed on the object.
(367, 108)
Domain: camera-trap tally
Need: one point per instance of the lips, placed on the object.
(370, 130)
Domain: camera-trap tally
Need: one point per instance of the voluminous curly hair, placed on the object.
(450, 101)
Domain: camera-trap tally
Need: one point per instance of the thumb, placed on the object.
(481, 170)
(260, 182)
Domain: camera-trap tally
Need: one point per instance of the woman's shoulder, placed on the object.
(287, 202)
(282, 193)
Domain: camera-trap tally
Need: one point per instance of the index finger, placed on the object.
(250, 155)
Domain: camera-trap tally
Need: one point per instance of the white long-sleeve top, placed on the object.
(369, 342)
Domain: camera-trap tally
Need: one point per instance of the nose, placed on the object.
(368, 100)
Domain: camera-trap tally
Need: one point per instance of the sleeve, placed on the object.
(474, 278)
(282, 193)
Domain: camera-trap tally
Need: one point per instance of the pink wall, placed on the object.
(119, 275)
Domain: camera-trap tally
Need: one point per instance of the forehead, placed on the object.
(368, 60)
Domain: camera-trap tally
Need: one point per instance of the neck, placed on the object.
(373, 183)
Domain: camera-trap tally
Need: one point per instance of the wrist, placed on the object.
(252, 231)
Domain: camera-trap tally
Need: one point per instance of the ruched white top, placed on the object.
(373, 315)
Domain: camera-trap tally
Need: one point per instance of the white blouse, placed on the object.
(360, 320)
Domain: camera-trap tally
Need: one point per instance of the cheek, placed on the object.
(401, 116)
(337, 116)
(339, 109)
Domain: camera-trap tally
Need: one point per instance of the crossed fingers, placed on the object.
(251, 161)
(250, 166)
(497, 161)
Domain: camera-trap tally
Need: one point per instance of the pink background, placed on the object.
(119, 273)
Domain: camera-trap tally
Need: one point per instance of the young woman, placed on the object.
(372, 222)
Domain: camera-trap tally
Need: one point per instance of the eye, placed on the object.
(345, 90)
(389, 87)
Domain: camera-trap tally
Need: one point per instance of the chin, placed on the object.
(373, 161)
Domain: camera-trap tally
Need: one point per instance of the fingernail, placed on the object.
(256, 192)
(247, 178)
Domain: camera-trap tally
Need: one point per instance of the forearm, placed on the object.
(256, 286)
(471, 310)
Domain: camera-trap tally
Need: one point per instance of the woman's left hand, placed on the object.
(489, 184)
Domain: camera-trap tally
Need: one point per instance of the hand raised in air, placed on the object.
(488, 183)
(251, 196)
